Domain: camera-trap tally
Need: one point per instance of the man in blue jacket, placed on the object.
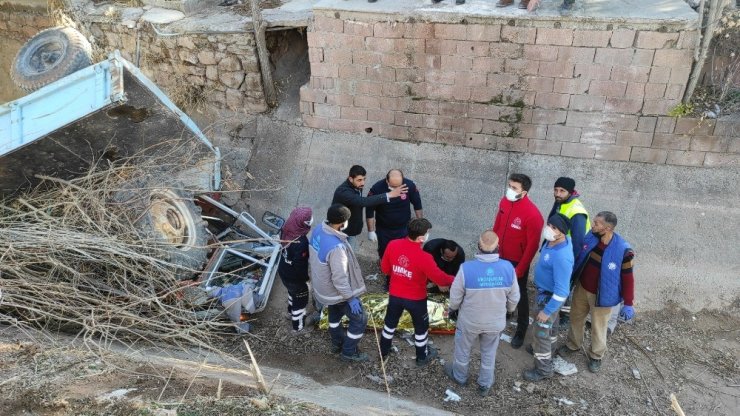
(552, 280)
(603, 276)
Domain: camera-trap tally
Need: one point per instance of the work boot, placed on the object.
(431, 355)
(451, 374)
(504, 3)
(336, 349)
(483, 391)
(518, 340)
(523, 4)
(564, 351)
(312, 319)
(357, 357)
(534, 375)
(594, 365)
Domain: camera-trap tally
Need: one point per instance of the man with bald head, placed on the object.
(483, 291)
(390, 221)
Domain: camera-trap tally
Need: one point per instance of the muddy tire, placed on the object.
(171, 220)
(50, 55)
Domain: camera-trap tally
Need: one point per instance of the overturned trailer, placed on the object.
(107, 112)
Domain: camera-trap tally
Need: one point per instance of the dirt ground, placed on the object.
(695, 356)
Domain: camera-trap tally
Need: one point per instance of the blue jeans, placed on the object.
(355, 330)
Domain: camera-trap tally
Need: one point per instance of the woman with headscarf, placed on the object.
(293, 267)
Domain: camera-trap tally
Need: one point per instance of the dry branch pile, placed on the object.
(73, 259)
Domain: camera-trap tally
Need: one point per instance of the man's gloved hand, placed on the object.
(627, 313)
(372, 236)
(355, 306)
(509, 315)
(452, 314)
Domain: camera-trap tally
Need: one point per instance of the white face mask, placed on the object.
(548, 234)
(309, 222)
(511, 195)
(344, 226)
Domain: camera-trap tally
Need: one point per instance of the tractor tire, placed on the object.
(170, 219)
(50, 55)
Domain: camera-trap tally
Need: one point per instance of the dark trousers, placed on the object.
(419, 316)
(385, 236)
(356, 328)
(297, 300)
(522, 319)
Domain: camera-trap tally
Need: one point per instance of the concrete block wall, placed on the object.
(585, 90)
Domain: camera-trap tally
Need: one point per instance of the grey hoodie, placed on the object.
(338, 279)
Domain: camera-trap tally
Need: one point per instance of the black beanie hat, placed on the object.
(337, 214)
(566, 183)
(561, 222)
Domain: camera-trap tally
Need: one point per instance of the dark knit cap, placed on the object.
(337, 214)
(561, 222)
(566, 183)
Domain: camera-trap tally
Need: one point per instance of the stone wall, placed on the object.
(579, 89)
(17, 25)
(218, 71)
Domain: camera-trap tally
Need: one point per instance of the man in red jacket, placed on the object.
(409, 268)
(519, 225)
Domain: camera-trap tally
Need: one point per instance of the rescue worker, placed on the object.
(518, 225)
(552, 281)
(604, 278)
(409, 268)
(349, 194)
(337, 282)
(293, 266)
(390, 221)
(568, 203)
(447, 254)
(483, 291)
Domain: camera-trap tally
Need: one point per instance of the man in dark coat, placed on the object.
(349, 194)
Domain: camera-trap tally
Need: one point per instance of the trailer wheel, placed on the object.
(170, 218)
(50, 55)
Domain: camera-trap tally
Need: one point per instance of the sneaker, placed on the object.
(594, 365)
(483, 391)
(564, 351)
(357, 357)
(431, 355)
(534, 375)
(451, 375)
(517, 341)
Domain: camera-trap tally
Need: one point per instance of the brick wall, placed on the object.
(599, 92)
